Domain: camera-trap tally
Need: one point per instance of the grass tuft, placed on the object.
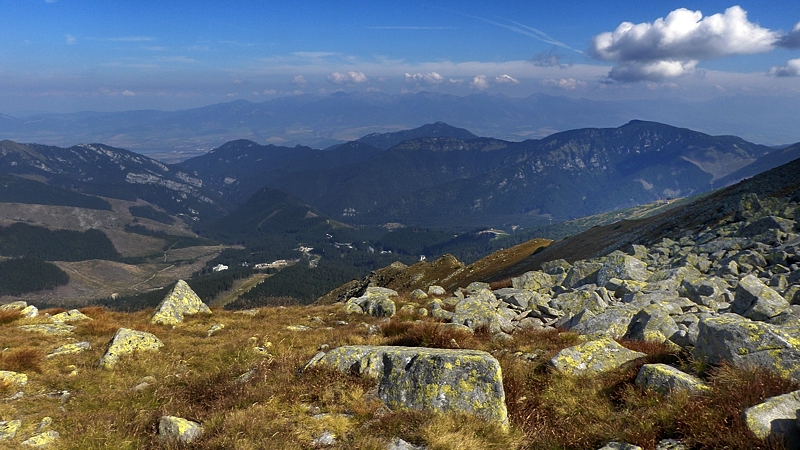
(22, 359)
(434, 335)
(9, 315)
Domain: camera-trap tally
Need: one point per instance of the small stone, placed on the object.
(399, 444)
(44, 424)
(41, 440)
(8, 429)
(19, 379)
(596, 356)
(667, 379)
(248, 312)
(171, 428)
(418, 294)
(613, 445)
(326, 439)
(436, 290)
(214, 328)
(298, 328)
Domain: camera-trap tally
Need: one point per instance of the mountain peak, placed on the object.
(385, 141)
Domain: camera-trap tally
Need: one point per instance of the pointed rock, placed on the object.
(181, 301)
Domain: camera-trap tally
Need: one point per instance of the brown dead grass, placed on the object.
(22, 359)
(9, 315)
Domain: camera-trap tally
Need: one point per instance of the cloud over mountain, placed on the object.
(347, 78)
(431, 78)
(791, 69)
(673, 46)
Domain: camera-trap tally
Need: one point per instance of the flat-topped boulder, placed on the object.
(180, 302)
(468, 381)
(667, 379)
(597, 356)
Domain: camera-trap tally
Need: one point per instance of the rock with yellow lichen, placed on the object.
(180, 302)
(70, 349)
(776, 419)
(9, 428)
(744, 342)
(125, 342)
(375, 302)
(468, 381)
(50, 329)
(177, 429)
(41, 440)
(72, 315)
(667, 379)
(20, 379)
(593, 357)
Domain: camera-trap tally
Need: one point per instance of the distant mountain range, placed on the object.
(435, 175)
(322, 121)
(449, 182)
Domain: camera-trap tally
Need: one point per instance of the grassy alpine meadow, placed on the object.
(243, 384)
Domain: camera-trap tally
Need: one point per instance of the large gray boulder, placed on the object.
(743, 342)
(652, 323)
(582, 272)
(537, 281)
(430, 379)
(621, 266)
(612, 322)
(375, 302)
(571, 303)
(757, 301)
(776, 418)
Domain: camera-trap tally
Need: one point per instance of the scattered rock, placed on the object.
(438, 291)
(15, 378)
(9, 428)
(70, 349)
(776, 418)
(613, 445)
(72, 315)
(177, 429)
(51, 329)
(591, 357)
(41, 440)
(326, 439)
(214, 328)
(181, 301)
(667, 379)
(757, 301)
(399, 444)
(125, 342)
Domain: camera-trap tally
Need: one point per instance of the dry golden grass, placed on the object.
(276, 407)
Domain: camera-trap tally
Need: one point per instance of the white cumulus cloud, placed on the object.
(299, 80)
(348, 78)
(673, 46)
(128, 93)
(568, 84)
(506, 79)
(479, 82)
(791, 69)
(431, 78)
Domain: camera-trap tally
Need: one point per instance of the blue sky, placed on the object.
(69, 55)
